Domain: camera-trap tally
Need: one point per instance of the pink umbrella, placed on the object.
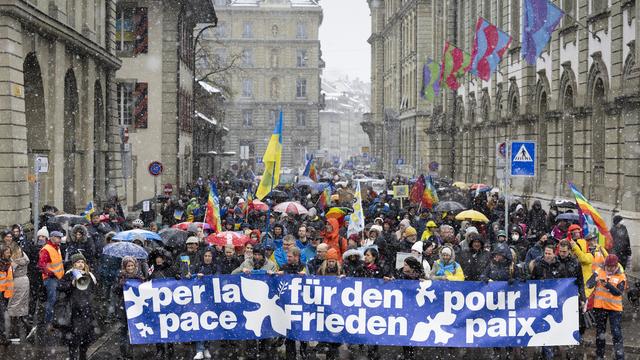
(258, 205)
(185, 225)
(228, 238)
(291, 207)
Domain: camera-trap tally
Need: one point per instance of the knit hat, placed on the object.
(446, 250)
(56, 234)
(471, 229)
(501, 233)
(573, 227)
(431, 224)
(418, 246)
(410, 231)
(376, 228)
(77, 257)
(332, 254)
(611, 260)
(43, 232)
(193, 240)
(617, 219)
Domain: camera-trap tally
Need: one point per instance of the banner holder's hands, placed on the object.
(388, 278)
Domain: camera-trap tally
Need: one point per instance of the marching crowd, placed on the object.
(62, 285)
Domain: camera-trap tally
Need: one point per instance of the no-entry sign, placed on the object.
(155, 168)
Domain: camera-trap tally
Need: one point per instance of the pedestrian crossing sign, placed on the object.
(523, 158)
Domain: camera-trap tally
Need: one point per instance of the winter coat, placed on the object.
(118, 292)
(474, 262)
(97, 233)
(293, 269)
(204, 269)
(352, 268)
(307, 252)
(313, 266)
(373, 270)
(248, 264)
(19, 303)
(194, 261)
(501, 271)
(533, 253)
(585, 257)
(537, 219)
(85, 246)
(226, 265)
(572, 269)
(621, 243)
(81, 330)
(333, 239)
(166, 270)
(543, 270)
(450, 270)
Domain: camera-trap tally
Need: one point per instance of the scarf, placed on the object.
(445, 268)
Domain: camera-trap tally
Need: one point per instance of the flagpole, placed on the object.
(595, 36)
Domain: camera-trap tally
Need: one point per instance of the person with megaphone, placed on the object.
(76, 292)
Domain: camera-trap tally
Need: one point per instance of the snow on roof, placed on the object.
(209, 88)
(304, 3)
(205, 118)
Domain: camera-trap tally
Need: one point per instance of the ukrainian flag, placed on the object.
(271, 160)
(88, 210)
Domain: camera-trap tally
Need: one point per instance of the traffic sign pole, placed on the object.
(506, 187)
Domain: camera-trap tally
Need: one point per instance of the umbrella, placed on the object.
(228, 238)
(291, 207)
(278, 194)
(481, 186)
(563, 203)
(131, 235)
(449, 206)
(122, 249)
(258, 205)
(460, 185)
(69, 219)
(305, 181)
(173, 238)
(472, 215)
(568, 217)
(185, 225)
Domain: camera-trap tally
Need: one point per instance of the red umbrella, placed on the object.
(291, 207)
(228, 238)
(475, 186)
(258, 205)
(185, 225)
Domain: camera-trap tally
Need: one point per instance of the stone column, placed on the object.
(14, 188)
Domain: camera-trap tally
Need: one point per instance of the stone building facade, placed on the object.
(57, 94)
(154, 90)
(579, 102)
(278, 68)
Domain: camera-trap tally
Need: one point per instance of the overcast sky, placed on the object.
(345, 28)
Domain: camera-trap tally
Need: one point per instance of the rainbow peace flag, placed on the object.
(455, 63)
(430, 80)
(212, 214)
(430, 195)
(489, 46)
(586, 209)
(325, 198)
(310, 170)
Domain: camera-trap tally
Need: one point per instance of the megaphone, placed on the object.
(81, 279)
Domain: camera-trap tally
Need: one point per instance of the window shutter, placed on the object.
(141, 30)
(140, 102)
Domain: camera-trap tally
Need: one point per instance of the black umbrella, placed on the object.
(568, 217)
(69, 219)
(449, 206)
(174, 238)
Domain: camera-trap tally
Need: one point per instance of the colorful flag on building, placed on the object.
(212, 213)
(430, 80)
(88, 210)
(356, 219)
(415, 195)
(455, 63)
(489, 46)
(430, 195)
(586, 209)
(271, 159)
(541, 17)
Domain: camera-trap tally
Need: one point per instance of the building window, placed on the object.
(221, 30)
(125, 102)
(301, 118)
(301, 58)
(220, 2)
(247, 118)
(301, 31)
(275, 88)
(132, 31)
(247, 88)
(274, 114)
(275, 58)
(301, 88)
(247, 57)
(247, 30)
(247, 150)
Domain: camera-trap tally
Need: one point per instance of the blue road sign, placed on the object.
(523, 158)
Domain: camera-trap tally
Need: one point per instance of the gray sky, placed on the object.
(345, 28)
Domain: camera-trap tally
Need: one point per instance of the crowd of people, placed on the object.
(61, 283)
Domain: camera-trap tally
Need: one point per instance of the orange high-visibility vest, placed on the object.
(55, 266)
(6, 283)
(598, 259)
(602, 298)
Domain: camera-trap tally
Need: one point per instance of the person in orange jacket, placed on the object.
(332, 237)
(50, 264)
(609, 284)
(6, 287)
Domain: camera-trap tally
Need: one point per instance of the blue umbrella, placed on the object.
(122, 249)
(568, 216)
(131, 235)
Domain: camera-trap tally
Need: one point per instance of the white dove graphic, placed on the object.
(144, 330)
(145, 291)
(424, 329)
(257, 292)
(423, 293)
(559, 333)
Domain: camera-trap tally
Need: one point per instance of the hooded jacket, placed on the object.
(543, 270)
(166, 270)
(352, 268)
(585, 257)
(449, 270)
(537, 219)
(473, 261)
(83, 246)
(505, 270)
(333, 239)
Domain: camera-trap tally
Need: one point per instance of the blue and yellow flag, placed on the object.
(90, 209)
(271, 160)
